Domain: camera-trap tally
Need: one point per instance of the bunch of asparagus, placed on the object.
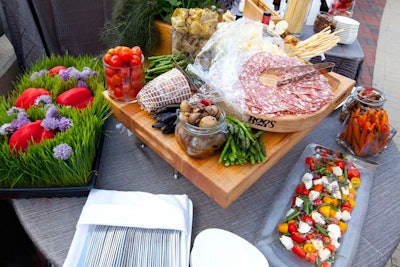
(242, 145)
(161, 64)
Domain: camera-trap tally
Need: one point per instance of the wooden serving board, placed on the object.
(223, 184)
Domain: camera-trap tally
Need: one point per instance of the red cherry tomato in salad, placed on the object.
(311, 257)
(353, 172)
(340, 164)
(298, 251)
(308, 220)
(297, 237)
(292, 227)
(302, 190)
(318, 187)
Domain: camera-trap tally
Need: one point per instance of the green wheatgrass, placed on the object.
(38, 167)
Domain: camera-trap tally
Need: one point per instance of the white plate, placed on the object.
(219, 248)
(346, 20)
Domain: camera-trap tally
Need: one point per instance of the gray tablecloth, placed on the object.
(125, 165)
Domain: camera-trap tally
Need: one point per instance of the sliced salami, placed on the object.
(297, 98)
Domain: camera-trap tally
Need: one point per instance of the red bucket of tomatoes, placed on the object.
(123, 70)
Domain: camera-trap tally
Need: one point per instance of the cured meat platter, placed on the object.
(207, 174)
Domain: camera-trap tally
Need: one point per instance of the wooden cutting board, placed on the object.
(223, 184)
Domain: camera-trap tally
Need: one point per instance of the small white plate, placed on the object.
(219, 248)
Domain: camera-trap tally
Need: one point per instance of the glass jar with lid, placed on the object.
(202, 142)
(362, 97)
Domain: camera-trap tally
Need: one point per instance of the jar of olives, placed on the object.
(363, 98)
(201, 130)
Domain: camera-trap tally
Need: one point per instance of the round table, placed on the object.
(126, 165)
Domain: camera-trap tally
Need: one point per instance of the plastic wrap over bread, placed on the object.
(169, 88)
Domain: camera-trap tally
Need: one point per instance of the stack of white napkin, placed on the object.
(133, 209)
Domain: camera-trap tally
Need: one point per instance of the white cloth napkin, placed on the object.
(133, 209)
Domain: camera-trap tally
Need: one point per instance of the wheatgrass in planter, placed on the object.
(66, 157)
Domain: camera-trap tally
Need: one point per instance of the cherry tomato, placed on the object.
(325, 210)
(126, 53)
(318, 187)
(297, 237)
(298, 251)
(109, 72)
(346, 205)
(309, 160)
(309, 248)
(355, 182)
(124, 73)
(137, 51)
(308, 220)
(115, 61)
(117, 91)
(109, 83)
(311, 256)
(136, 74)
(107, 58)
(283, 228)
(135, 60)
(117, 50)
(110, 51)
(353, 172)
(340, 164)
(292, 227)
(342, 226)
(346, 209)
(302, 190)
(331, 247)
(116, 80)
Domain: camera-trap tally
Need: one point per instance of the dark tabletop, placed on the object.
(126, 165)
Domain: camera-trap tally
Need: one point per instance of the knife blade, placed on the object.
(302, 70)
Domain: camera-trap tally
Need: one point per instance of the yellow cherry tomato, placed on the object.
(309, 248)
(352, 202)
(332, 213)
(327, 200)
(283, 228)
(355, 182)
(325, 210)
(342, 226)
(353, 192)
(335, 202)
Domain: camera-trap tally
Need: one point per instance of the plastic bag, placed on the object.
(221, 59)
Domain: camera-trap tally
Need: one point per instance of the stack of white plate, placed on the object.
(219, 248)
(348, 29)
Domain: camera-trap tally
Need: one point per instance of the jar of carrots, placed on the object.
(366, 131)
(364, 98)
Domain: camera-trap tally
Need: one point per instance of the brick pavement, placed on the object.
(369, 14)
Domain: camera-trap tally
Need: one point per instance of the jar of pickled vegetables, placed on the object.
(343, 8)
(363, 98)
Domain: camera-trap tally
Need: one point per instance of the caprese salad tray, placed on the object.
(317, 217)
